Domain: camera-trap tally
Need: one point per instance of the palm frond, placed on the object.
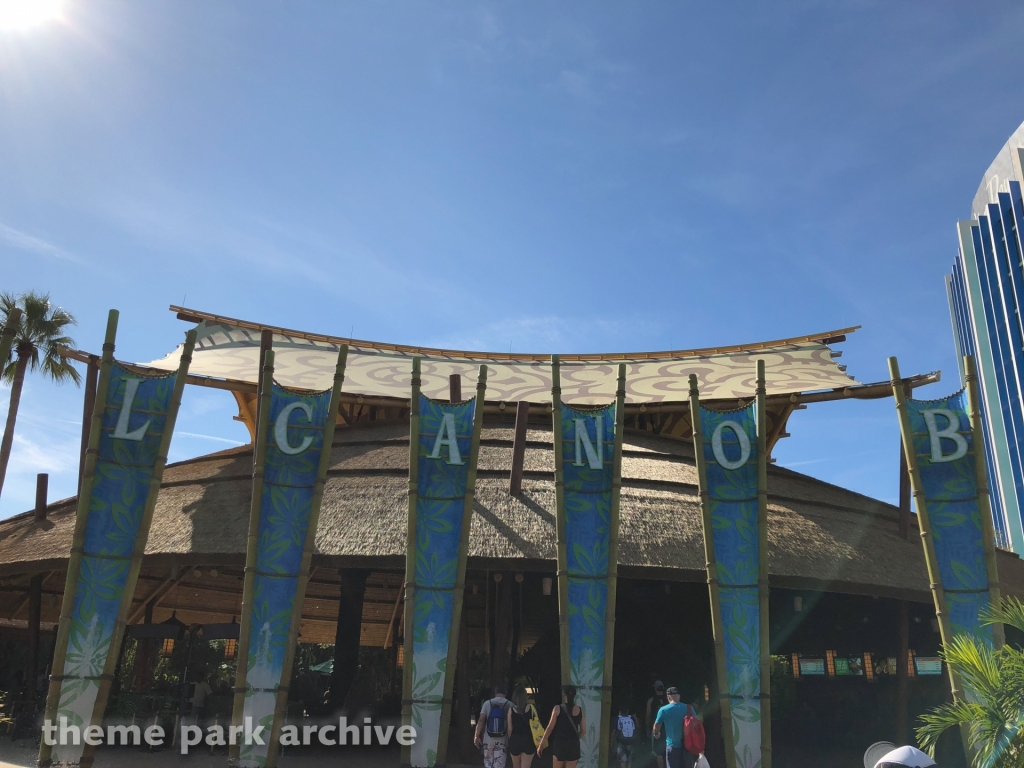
(40, 334)
(1009, 611)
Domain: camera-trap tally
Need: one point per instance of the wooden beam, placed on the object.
(515, 483)
(455, 388)
(157, 595)
(92, 371)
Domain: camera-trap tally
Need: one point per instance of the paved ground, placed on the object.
(22, 754)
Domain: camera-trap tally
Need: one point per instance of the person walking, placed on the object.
(625, 736)
(520, 739)
(654, 704)
(493, 728)
(670, 720)
(565, 729)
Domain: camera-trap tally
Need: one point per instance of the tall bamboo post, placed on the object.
(762, 563)
(613, 564)
(114, 654)
(410, 554)
(78, 539)
(563, 565)
(984, 506)
(251, 550)
(717, 628)
(460, 575)
(309, 545)
(8, 334)
(930, 557)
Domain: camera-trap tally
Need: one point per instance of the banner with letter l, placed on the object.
(129, 437)
(293, 451)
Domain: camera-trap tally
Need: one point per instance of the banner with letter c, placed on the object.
(132, 423)
(293, 450)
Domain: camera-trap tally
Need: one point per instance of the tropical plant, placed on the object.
(993, 713)
(39, 334)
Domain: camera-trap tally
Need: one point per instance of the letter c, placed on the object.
(322, 733)
(281, 428)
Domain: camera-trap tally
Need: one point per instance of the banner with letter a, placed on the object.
(588, 470)
(132, 423)
(444, 443)
(945, 456)
(293, 450)
(731, 467)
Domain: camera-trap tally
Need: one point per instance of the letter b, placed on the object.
(950, 432)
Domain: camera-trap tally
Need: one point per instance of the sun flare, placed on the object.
(22, 14)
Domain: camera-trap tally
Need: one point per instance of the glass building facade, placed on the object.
(986, 296)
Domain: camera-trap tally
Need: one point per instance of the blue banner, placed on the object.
(730, 453)
(444, 455)
(944, 449)
(136, 413)
(587, 450)
(294, 443)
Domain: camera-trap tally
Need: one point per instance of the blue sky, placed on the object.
(561, 177)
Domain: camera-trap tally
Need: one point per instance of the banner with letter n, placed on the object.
(731, 458)
(943, 445)
(588, 470)
(444, 442)
(293, 450)
(130, 433)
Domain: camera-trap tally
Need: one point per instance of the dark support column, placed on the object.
(346, 639)
(42, 485)
(517, 619)
(515, 483)
(266, 344)
(463, 693)
(455, 388)
(35, 604)
(92, 372)
(140, 671)
(502, 628)
(903, 630)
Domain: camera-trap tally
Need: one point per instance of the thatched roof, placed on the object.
(820, 536)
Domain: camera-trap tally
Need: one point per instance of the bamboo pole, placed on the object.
(613, 565)
(114, 652)
(762, 576)
(712, 567)
(984, 506)
(460, 576)
(281, 705)
(930, 557)
(78, 539)
(251, 550)
(563, 566)
(410, 554)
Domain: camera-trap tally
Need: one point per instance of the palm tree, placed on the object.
(38, 335)
(994, 682)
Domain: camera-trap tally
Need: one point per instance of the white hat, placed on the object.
(911, 757)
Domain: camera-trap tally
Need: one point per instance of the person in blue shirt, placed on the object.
(670, 718)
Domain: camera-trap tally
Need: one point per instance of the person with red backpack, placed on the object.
(684, 732)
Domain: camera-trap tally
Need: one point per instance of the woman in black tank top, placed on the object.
(520, 741)
(565, 729)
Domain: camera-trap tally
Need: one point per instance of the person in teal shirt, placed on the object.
(671, 717)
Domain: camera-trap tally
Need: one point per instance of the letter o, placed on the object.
(716, 445)
(281, 428)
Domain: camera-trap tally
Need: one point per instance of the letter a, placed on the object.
(595, 455)
(719, 451)
(951, 432)
(281, 428)
(446, 436)
(131, 386)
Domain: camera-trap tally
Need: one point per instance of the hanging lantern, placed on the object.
(167, 648)
(230, 646)
(174, 627)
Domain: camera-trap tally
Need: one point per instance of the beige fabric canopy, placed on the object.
(227, 348)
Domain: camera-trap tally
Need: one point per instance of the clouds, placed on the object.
(27, 243)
